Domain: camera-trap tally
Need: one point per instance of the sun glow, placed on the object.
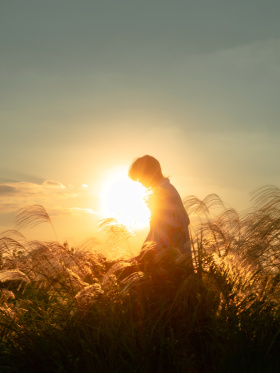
(123, 199)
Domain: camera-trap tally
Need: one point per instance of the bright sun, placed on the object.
(123, 199)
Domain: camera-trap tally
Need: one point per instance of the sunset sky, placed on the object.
(88, 86)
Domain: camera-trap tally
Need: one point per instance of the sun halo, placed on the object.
(124, 200)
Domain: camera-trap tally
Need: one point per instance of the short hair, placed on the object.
(145, 167)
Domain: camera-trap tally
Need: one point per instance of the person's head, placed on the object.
(146, 170)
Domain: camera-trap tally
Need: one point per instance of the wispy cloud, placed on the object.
(54, 184)
(7, 189)
(56, 197)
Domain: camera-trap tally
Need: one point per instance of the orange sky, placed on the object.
(89, 86)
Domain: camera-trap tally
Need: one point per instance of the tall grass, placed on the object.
(67, 309)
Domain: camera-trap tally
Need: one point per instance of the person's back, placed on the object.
(169, 220)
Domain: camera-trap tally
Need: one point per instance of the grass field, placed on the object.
(67, 309)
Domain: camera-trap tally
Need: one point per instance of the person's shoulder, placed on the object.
(167, 185)
(167, 189)
(164, 185)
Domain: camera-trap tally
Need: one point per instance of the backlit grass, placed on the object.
(67, 309)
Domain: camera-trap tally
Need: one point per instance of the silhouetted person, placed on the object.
(169, 220)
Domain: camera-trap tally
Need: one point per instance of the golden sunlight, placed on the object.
(124, 200)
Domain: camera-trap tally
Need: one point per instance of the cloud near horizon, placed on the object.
(58, 199)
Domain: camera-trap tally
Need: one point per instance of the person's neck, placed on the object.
(156, 182)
